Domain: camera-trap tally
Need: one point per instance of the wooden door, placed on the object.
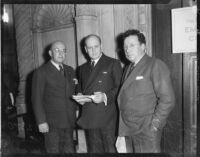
(172, 141)
(179, 136)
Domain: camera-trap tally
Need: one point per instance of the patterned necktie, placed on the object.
(62, 70)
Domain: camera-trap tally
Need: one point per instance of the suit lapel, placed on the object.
(53, 69)
(134, 73)
(124, 74)
(95, 72)
(127, 70)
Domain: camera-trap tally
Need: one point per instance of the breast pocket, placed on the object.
(104, 79)
(144, 86)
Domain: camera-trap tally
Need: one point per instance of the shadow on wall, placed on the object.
(45, 54)
(82, 46)
(120, 50)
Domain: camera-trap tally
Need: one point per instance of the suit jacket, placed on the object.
(51, 96)
(105, 77)
(145, 94)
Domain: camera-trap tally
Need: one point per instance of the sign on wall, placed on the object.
(184, 30)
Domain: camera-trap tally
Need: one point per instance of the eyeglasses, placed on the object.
(60, 51)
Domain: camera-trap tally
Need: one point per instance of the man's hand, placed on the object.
(155, 124)
(99, 97)
(121, 145)
(83, 100)
(43, 128)
(80, 102)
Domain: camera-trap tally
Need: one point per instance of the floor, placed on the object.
(15, 145)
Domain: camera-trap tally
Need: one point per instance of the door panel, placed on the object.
(172, 141)
(180, 133)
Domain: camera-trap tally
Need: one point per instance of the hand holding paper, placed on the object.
(82, 99)
(100, 97)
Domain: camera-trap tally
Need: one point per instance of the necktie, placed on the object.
(130, 70)
(62, 70)
(92, 65)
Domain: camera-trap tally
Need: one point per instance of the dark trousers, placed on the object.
(59, 141)
(144, 142)
(101, 140)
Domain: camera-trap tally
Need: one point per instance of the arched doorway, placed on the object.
(50, 23)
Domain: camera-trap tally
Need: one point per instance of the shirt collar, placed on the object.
(56, 65)
(96, 60)
(139, 59)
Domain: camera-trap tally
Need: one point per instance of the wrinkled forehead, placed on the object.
(58, 45)
(92, 39)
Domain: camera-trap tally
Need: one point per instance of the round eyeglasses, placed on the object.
(60, 51)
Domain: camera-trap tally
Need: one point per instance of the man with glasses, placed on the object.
(146, 97)
(52, 87)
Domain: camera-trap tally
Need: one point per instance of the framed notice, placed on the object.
(184, 30)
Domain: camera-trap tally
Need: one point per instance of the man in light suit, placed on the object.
(52, 87)
(99, 114)
(146, 96)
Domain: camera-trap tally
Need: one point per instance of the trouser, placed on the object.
(101, 140)
(144, 142)
(59, 140)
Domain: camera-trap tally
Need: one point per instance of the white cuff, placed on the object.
(105, 99)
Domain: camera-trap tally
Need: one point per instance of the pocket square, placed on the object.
(75, 81)
(105, 72)
(139, 78)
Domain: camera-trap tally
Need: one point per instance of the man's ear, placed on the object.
(50, 53)
(143, 46)
(85, 49)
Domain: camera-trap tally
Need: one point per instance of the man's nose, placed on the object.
(128, 50)
(93, 49)
(61, 54)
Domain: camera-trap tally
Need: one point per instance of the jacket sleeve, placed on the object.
(163, 90)
(38, 85)
(72, 104)
(79, 85)
(116, 77)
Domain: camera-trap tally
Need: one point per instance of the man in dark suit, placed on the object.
(146, 96)
(101, 78)
(52, 87)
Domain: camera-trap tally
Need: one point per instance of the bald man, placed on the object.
(52, 87)
(99, 77)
